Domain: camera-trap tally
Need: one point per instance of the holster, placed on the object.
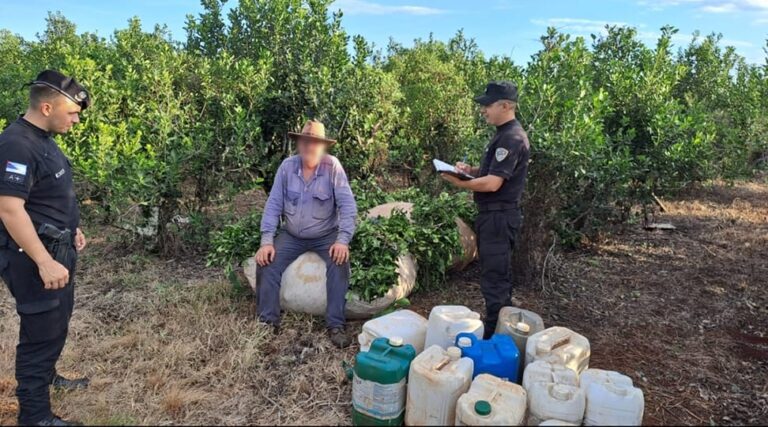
(59, 243)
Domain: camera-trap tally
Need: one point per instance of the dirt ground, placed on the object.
(684, 313)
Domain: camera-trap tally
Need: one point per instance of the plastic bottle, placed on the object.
(379, 383)
(410, 326)
(491, 401)
(612, 399)
(543, 371)
(559, 346)
(497, 356)
(562, 402)
(436, 380)
(447, 321)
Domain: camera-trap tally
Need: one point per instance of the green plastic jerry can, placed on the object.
(379, 381)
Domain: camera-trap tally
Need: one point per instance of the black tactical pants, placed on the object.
(44, 318)
(496, 234)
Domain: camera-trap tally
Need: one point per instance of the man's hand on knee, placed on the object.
(339, 253)
(265, 255)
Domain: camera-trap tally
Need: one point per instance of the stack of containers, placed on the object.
(558, 388)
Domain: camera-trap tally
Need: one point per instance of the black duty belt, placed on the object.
(5, 240)
(495, 207)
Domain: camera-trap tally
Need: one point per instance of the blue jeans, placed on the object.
(287, 249)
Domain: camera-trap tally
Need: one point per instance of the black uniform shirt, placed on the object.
(506, 157)
(33, 168)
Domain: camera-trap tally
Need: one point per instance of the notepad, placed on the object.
(442, 167)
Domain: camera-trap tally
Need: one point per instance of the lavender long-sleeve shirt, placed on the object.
(313, 208)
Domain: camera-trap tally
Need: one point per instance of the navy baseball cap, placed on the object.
(496, 91)
(66, 86)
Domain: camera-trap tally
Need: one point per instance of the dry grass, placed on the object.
(683, 313)
(166, 343)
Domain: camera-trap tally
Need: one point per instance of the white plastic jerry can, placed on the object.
(519, 324)
(436, 379)
(612, 399)
(556, 423)
(491, 401)
(410, 326)
(447, 321)
(559, 346)
(548, 401)
(543, 371)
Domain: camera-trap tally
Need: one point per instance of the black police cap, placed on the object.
(496, 91)
(66, 86)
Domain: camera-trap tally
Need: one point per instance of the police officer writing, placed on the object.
(498, 188)
(40, 238)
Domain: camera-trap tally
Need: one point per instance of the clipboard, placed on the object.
(442, 167)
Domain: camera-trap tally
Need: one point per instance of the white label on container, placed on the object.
(383, 401)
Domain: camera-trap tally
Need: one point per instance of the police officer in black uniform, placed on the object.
(498, 188)
(40, 237)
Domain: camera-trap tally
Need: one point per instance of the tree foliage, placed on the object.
(177, 128)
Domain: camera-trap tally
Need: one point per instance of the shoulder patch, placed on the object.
(501, 154)
(16, 168)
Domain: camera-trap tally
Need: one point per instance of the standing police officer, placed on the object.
(498, 188)
(39, 238)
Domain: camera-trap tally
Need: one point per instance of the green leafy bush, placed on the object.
(177, 128)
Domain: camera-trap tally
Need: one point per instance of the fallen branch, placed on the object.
(546, 260)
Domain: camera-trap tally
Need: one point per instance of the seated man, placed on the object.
(312, 195)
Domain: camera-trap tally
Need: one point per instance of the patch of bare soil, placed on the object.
(684, 313)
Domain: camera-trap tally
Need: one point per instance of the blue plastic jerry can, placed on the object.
(497, 356)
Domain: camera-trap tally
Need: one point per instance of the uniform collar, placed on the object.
(35, 129)
(506, 125)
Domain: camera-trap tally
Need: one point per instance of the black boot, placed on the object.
(53, 420)
(339, 337)
(61, 383)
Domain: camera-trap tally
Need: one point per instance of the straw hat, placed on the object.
(313, 130)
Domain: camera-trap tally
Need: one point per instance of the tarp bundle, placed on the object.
(303, 284)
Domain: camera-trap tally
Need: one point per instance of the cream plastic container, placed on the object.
(410, 326)
(556, 423)
(447, 321)
(612, 399)
(491, 401)
(519, 324)
(436, 379)
(559, 346)
(548, 401)
(543, 371)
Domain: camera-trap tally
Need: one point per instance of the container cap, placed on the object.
(561, 392)
(464, 342)
(483, 408)
(396, 341)
(454, 353)
(523, 327)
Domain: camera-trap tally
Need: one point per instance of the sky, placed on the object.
(504, 27)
